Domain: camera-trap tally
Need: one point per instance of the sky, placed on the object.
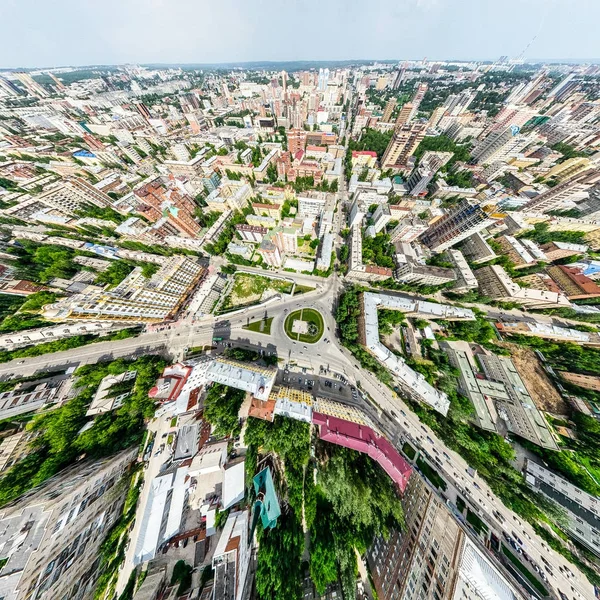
(37, 33)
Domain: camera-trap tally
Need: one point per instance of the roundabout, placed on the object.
(305, 325)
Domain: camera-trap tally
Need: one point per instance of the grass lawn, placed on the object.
(525, 571)
(431, 474)
(478, 524)
(409, 451)
(261, 326)
(302, 289)
(309, 315)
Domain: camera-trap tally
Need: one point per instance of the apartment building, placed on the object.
(408, 270)
(270, 253)
(250, 233)
(311, 204)
(403, 144)
(157, 201)
(408, 230)
(572, 190)
(495, 282)
(461, 222)
(267, 210)
(581, 509)
(573, 283)
(466, 279)
(433, 557)
(73, 194)
(499, 146)
(136, 298)
(51, 536)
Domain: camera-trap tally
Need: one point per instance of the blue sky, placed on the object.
(83, 32)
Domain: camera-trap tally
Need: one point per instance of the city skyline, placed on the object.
(411, 28)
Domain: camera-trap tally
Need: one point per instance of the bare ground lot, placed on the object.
(543, 392)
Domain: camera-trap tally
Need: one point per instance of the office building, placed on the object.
(581, 509)
(459, 223)
(136, 299)
(51, 536)
(433, 557)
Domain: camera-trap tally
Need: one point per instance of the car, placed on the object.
(305, 347)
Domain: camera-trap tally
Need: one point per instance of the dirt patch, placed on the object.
(539, 385)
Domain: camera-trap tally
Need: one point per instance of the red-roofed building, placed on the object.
(364, 158)
(171, 382)
(363, 439)
(573, 283)
(296, 139)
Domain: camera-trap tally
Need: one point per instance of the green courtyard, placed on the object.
(305, 325)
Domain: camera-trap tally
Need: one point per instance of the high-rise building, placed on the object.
(408, 230)
(563, 88)
(389, 109)
(9, 87)
(499, 146)
(136, 299)
(571, 190)
(418, 98)
(73, 194)
(270, 253)
(296, 139)
(31, 85)
(403, 144)
(323, 79)
(404, 115)
(462, 221)
(51, 537)
(381, 217)
(433, 557)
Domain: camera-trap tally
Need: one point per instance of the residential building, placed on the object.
(157, 201)
(466, 279)
(556, 250)
(261, 222)
(296, 139)
(558, 196)
(356, 215)
(419, 180)
(495, 283)
(550, 332)
(573, 283)
(73, 194)
(325, 252)
(389, 109)
(240, 250)
(363, 158)
(408, 230)
(137, 298)
(516, 251)
(51, 536)
(459, 223)
(408, 270)
(403, 144)
(433, 557)
(582, 510)
(589, 382)
(231, 558)
(404, 115)
(381, 217)
(501, 145)
(250, 233)
(311, 204)
(414, 384)
(270, 253)
(286, 239)
(249, 377)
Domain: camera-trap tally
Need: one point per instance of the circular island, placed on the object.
(304, 325)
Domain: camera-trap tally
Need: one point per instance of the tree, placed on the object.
(221, 409)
